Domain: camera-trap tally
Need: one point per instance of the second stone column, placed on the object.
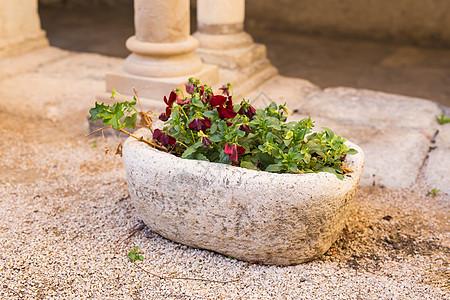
(162, 52)
(224, 42)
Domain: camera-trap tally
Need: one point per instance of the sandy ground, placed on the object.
(65, 215)
(65, 208)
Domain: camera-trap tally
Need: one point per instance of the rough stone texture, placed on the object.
(422, 22)
(278, 219)
(375, 109)
(438, 165)
(281, 89)
(43, 100)
(20, 27)
(211, 12)
(163, 21)
(14, 65)
(394, 157)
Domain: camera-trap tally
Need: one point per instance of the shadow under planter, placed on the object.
(280, 219)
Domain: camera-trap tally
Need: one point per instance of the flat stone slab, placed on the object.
(281, 89)
(437, 170)
(375, 109)
(28, 62)
(394, 157)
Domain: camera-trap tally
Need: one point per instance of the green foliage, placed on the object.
(209, 127)
(434, 192)
(442, 119)
(134, 255)
(119, 115)
(269, 142)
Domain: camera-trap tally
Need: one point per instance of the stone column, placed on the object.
(224, 42)
(162, 49)
(20, 27)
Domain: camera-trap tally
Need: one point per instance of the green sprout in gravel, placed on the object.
(442, 119)
(434, 192)
(213, 127)
(134, 255)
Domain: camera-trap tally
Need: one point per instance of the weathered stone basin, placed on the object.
(250, 215)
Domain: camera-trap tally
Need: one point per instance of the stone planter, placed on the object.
(280, 219)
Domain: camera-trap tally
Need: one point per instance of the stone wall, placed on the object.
(422, 22)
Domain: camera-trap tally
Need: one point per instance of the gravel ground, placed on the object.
(65, 219)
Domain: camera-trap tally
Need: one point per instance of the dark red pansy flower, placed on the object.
(247, 110)
(206, 124)
(251, 111)
(233, 151)
(224, 106)
(168, 111)
(245, 127)
(172, 99)
(225, 90)
(227, 111)
(228, 149)
(218, 100)
(200, 124)
(196, 124)
(163, 138)
(183, 101)
(190, 88)
(169, 102)
(206, 142)
(163, 117)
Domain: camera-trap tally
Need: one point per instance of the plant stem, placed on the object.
(154, 145)
(188, 278)
(187, 119)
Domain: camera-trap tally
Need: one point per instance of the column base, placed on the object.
(245, 68)
(21, 45)
(152, 90)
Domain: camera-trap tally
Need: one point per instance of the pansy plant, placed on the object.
(213, 127)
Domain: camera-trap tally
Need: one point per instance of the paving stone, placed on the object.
(437, 170)
(394, 157)
(371, 108)
(29, 62)
(76, 78)
(281, 89)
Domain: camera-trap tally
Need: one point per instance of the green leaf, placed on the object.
(352, 151)
(96, 112)
(329, 132)
(213, 128)
(200, 156)
(274, 168)
(247, 165)
(274, 123)
(133, 255)
(191, 150)
(211, 114)
(269, 137)
(130, 121)
(216, 138)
